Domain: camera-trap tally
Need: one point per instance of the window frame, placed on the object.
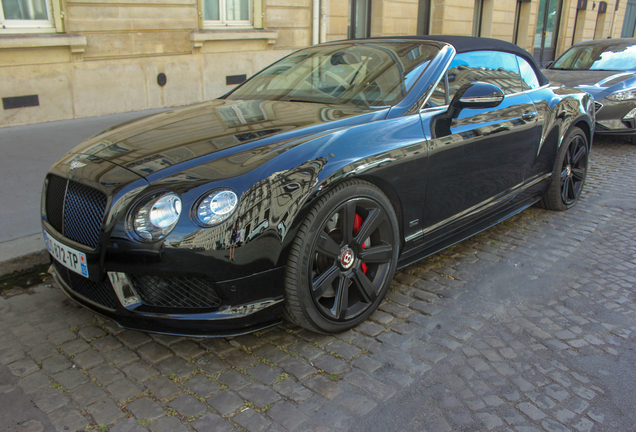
(353, 10)
(223, 22)
(13, 25)
(444, 76)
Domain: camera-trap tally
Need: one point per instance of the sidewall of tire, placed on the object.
(552, 199)
(297, 278)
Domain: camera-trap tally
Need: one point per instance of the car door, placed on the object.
(480, 158)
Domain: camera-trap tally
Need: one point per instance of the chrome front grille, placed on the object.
(76, 211)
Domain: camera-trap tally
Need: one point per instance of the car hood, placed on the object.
(159, 141)
(593, 82)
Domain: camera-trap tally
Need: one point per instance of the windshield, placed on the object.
(617, 57)
(369, 75)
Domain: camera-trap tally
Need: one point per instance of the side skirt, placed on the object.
(456, 237)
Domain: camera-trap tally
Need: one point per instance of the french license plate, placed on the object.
(67, 256)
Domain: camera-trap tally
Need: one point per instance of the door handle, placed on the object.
(528, 116)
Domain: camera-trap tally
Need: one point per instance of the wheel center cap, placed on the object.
(347, 258)
(568, 170)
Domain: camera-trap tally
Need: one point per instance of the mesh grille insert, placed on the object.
(597, 106)
(100, 293)
(55, 202)
(176, 291)
(83, 213)
(74, 210)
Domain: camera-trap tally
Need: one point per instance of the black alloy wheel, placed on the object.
(569, 174)
(343, 259)
(573, 170)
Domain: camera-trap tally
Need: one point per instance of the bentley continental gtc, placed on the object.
(299, 193)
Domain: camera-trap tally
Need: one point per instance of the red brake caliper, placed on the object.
(357, 223)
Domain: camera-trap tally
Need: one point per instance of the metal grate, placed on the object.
(100, 293)
(75, 210)
(176, 291)
(20, 102)
(55, 192)
(83, 213)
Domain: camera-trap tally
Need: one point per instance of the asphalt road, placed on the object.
(27, 154)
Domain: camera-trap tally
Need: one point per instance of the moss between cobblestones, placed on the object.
(16, 284)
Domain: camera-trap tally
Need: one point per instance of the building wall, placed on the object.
(292, 20)
(104, 56)
(337, 19)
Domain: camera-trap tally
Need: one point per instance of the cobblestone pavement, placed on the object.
(529, 326)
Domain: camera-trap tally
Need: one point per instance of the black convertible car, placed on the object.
(300, 192)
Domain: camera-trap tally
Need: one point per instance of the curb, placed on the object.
(22, 255)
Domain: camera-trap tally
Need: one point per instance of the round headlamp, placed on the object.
(155, 217)
(216, 207)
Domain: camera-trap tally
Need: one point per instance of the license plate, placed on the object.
(67, 256)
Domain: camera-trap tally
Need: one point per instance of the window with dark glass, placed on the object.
(529, 80)
(360, 19)
(438, 98)
(498, 68)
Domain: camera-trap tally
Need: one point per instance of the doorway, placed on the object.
(630, 20)
(546, 34)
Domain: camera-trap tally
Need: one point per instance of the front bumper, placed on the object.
(610, 118)
(225, 320)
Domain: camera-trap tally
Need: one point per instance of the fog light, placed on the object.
(630, 115)
(123, 288)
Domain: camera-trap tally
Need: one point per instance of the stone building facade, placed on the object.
(63, 59)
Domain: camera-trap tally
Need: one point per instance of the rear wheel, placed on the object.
(343, 259)
(569, 173)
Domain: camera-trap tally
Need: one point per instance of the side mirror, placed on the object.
(477, 95)
(548, 64)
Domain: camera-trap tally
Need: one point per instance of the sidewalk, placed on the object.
(27, 153)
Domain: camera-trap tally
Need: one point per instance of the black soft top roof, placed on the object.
(469, 43)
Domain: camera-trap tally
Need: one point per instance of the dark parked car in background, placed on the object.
(300, 192)
(606, 69)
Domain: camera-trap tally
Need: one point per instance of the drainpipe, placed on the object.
(315, 37)
(323, 21)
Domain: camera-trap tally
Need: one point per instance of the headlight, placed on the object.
(622, 95)
(217, 207)
(155, 218)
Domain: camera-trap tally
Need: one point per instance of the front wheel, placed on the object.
(342, 260)
(569, 173)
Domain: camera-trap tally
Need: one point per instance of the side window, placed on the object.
(494, 67)
(226, 12)
(529, 80)
(25, 14)
(438, 98)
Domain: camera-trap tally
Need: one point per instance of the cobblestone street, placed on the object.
(528, 326)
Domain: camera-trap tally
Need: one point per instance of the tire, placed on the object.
(335, 277)
(569, 173)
